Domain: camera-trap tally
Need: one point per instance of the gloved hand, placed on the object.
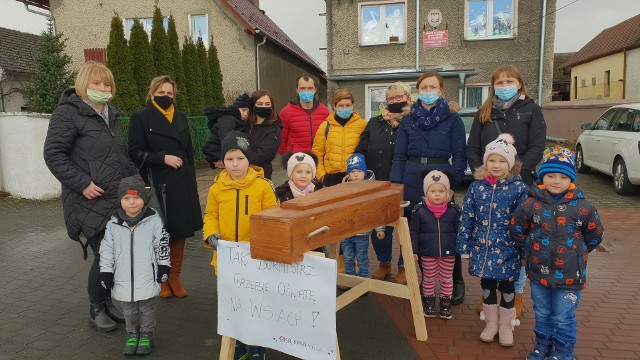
(213, 240)
(106, 280)
(163, 273)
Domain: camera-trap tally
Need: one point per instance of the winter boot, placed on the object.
(401, 276)
(518, 304)
(114, 313)
(256, 353)
(561, 351)
(165, 290)
(429, 306)
(491, 318)
(176, 255)
(507, 322)
(383, 271)
(131, 346)
(445, 308)
(99, 319)
(542, 348)
(144, 344)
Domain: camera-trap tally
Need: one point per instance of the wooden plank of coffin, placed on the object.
(335, 193)
(281, 235)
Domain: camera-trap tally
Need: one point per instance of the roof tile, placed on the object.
(18, 51)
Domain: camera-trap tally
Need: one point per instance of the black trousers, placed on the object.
(97, 294)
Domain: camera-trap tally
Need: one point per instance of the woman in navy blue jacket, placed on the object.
(432, 137)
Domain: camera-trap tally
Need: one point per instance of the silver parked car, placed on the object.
(612, 146)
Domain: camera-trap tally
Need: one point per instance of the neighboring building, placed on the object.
(238, 28)
(608, 66)
(371, 44)
(561, 88)
(18, 53)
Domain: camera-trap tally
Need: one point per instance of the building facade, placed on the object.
(18, 53)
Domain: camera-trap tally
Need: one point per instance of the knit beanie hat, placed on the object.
(436, 177)
(243, 101)
(300, 158)
(557, 159)
(356, 161)
(502, 146)
(235, 140)
(132, 185)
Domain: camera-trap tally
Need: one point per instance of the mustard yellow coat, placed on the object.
(340, 143)
(231, 202)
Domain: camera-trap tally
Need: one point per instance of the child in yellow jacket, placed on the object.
(237, 192)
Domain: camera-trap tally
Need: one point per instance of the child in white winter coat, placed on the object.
(134, 258)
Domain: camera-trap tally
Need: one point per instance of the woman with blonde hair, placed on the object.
(86, 151)
(160, 144)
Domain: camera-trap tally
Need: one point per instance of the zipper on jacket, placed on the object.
(237, 211)
(486, 247)
(132, 263)
(246, 204)
(439, 239)
(311, 128)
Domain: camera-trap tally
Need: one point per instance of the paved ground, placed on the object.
(44, 304)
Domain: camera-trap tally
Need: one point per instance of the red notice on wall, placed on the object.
(435, 39)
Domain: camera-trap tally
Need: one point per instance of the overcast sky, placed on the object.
(576, 24)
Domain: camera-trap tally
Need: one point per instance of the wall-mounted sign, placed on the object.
(434, 17)
(436, 38)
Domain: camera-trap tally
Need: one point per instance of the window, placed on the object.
(147, 24)
(606, 119)
(489, 19)
(583, 83)
(376, 100)
(607, 83)
(382, 23)
(199, 28)
(593, 81)
(476, 95)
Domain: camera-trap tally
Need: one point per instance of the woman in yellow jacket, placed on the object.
(337, 138)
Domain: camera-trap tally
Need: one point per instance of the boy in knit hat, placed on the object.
(557, 228)
(357, 246)
(132, 263)
(238, 192)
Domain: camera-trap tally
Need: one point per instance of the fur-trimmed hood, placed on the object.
(482, 171)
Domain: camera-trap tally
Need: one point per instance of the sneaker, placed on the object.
(131, 346)
(429, 306)
(144, 344)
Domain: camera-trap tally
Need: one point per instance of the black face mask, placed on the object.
(263, 112)
(397, 107)
(164, 102)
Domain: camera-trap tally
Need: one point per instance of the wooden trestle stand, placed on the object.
(325, 217)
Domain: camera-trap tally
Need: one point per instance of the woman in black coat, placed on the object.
(160, 143)
(265, 130)
(86, 151)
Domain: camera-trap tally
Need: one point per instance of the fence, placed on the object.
(198, 129)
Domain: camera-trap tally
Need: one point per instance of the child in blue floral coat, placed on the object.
(484, 234)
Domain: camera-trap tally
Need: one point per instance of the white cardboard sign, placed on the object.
(290, 308)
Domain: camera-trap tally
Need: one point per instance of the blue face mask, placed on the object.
(506, 93)
(344, 113)
(428, 97)
(306, 96)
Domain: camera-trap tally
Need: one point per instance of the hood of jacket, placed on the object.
(296, 102)
(332, 119)
(213, 114)
(226, 182)
(539, 192)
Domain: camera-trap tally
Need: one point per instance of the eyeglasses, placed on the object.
(396, 98)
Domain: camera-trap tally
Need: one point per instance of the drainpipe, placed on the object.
(417, 35)
(542, 36)
(461, 87)
(48, 16)
(264, 40)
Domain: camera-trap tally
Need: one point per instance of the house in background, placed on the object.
(561, 88)
(371, 44)
(18, 53)
(253, 51)
(608, 66)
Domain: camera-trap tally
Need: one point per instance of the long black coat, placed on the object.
(524, 120)
(151, 133)
(377, 143)
(265, 140)
(81, 148)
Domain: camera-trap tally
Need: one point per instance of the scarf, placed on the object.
(502, 105)
(131, 221)
(491, 180)
(297, 192)
(437, 210)
(167, 113)
(428, 119)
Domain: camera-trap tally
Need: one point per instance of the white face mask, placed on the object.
(98, 97)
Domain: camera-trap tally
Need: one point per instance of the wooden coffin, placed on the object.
(285, 233)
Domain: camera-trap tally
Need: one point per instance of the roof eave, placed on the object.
(399, 75)
(262, 33)
(569, 64)
(42, 4)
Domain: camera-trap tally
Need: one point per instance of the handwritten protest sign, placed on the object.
(290, 308)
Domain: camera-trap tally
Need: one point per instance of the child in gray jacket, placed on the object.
(134, 258)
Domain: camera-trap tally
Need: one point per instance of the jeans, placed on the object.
(383, 247)
(555, 309)
(97, 294)
(140, 316)
(356, 247)
(521, 281)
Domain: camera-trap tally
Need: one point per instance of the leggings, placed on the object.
(506, 288)
(440, 268)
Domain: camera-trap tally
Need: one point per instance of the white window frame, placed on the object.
(147, 27)
(490, 21)
(485, 92)
(192, 34)
(382, 10)
(368, 113)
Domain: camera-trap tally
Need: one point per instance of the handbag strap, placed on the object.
(149, 172)
(497, 127)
